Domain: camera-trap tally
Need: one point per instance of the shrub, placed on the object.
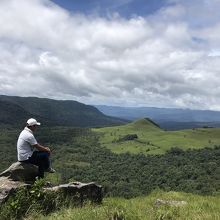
(34, 200)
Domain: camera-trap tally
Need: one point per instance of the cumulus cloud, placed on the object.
(167, 59)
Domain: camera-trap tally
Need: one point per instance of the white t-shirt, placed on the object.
(25, 143)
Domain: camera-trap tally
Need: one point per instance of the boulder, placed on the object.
(160, 202)
(90, 191)
(20, 171)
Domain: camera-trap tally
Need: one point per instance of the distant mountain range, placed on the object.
(167, 118)
(16, 110)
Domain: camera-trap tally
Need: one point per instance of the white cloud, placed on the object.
(161, 60)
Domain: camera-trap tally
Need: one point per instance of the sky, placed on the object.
(161, 53)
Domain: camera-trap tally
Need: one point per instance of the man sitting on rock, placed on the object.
(29, 151)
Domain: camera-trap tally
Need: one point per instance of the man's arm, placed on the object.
(42, 148)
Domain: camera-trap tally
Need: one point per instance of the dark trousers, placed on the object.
(40, 159)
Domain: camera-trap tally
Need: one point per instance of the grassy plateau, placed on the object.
(153, 140)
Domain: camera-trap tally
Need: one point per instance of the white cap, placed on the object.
(32, 122)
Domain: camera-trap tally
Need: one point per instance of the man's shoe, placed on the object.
(50, 170)
(48, 184)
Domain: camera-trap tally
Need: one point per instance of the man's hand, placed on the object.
(48, 150)
(42, 148)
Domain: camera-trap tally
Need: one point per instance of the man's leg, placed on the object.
(41, 159)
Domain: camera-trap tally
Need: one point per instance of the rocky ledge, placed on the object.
(24, 175)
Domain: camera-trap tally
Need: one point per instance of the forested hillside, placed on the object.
(16, 110)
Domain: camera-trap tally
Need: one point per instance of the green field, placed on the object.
(153, 140)
(143, 208)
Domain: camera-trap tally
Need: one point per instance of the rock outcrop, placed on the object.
(24, 175)
(90, 191)
(8, 187)
(16, 176)
(20, 171)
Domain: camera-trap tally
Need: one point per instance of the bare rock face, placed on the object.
(21, 172)
(8, 187)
